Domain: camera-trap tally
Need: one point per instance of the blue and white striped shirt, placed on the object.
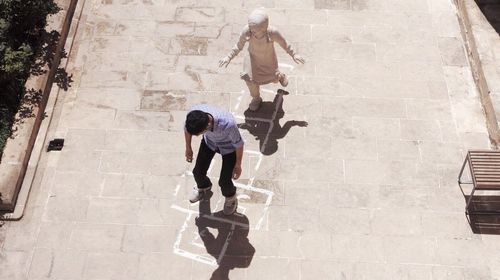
(224, 136)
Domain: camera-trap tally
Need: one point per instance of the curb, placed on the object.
(40, 126)
(477, 71)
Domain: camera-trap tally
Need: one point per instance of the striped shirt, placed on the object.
(224, 137)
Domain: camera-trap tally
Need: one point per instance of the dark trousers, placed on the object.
(203, 160)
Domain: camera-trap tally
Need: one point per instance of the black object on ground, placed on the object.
(55, 145)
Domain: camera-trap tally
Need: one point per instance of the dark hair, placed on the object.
(196, 122)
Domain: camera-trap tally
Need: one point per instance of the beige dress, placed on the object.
(261, 64)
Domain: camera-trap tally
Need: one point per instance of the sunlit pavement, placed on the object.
(367, 190)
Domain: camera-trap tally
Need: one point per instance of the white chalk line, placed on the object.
(270, 121)
(271, 125)
(178, 186)
(190, 212)
(238, 101)
(269, 194)
(226, 244)
(186, 254)
(204, 259)
(185, 176)
(197, 257)
(255, 119)
(207, 260)
(210, 217)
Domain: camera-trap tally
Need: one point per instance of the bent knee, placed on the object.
(225, 183)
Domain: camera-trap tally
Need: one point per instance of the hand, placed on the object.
(301, 123)
(298, 59)
(236, 172)
(189, 155)
(224, 61)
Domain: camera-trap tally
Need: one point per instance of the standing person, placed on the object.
(261, 65)
(220, 135)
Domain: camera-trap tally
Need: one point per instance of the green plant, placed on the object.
(25, 49)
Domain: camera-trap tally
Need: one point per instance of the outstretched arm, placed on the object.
(289, 124)
(278, 38)
(236, 49)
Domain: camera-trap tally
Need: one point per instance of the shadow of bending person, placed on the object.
(264, 124)
(230, 246)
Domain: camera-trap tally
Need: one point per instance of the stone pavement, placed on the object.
(366, 191)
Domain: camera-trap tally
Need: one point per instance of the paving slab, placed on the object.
(367, 190)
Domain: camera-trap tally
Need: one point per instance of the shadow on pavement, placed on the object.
(264, 124)
(230, 247)
(491, 10)
(484, 223)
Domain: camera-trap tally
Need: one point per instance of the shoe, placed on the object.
(198, 194)
(283, 79)
(255, 104)
(230, 205)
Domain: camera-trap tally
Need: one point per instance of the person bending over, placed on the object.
(220, 134)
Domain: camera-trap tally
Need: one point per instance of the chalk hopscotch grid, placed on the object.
(189, 212)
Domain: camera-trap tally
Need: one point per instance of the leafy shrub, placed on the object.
(25, 48)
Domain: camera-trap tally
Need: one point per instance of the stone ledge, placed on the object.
(483, 49)
(18, 150)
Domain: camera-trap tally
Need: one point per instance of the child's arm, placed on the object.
(237, 166)
(236, 49)
(189, 150)
(235, 137)
(278, 38)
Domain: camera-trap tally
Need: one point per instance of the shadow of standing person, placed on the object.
(231, 247)
(264, 124)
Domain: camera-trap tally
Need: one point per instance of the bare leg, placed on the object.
(255, 93)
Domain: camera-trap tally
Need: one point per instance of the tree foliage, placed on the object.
(25, 48)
